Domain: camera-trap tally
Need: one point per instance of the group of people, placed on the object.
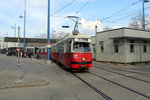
(24, 54)
(19, 53)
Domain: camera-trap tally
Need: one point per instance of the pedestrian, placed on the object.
(21, 54)
(7, 53)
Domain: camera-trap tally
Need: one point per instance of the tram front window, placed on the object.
(81, 47)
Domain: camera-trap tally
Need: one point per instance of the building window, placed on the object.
(131, 46)
(116, 42)
(116, 48)
(144, 46)
(144, 42)
(131, 41)
(101, 46)
(93, 49)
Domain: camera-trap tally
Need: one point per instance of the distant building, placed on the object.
(1, 43)
(123, 45)
(8, 44)
(30, 42)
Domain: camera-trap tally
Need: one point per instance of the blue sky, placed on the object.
(95, 10)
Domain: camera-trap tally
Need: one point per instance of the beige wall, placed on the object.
(93, 46)
(124, 55)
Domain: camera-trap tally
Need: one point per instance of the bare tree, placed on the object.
(43, 35)
(148, 23)
(59, 35)
(137, 21)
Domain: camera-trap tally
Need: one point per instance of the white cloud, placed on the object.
(38, 3)
(88, 27)
(37, 16)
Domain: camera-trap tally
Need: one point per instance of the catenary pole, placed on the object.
(144, 1)
(48, 33)
(24, 26)
(143, 15)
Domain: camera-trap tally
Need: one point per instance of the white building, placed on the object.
(1, 43)
(93, 47)
(4, 44)
(123, 45)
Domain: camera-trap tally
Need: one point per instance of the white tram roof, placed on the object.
(79, 35)
(70, 35)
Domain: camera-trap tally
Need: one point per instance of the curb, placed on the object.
(22, 86)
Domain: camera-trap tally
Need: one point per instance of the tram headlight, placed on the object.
(83, 59)
(75, 56)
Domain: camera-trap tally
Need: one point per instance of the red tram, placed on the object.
(73, 51)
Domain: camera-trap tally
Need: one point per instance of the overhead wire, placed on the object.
(83, 6)
(64, 7)
(130, 14)
(113, 16)
(121, 10)
(61, 10)
(58, 16)
(67, 6)
(126, 16)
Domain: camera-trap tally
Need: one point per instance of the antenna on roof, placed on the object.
(76, 20)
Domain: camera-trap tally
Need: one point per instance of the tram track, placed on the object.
(138, 73)
(93, 88)
(123, 75)
(118, 84)
(110, 81)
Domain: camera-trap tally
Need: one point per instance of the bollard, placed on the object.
(18, 71)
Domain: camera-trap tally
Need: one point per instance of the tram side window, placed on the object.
(59, 48)
(65, 46)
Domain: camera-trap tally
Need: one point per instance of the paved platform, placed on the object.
(11, 81)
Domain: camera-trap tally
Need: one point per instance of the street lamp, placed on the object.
(144, 1)
(14, 27)
(48, 33)
(24, 40)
